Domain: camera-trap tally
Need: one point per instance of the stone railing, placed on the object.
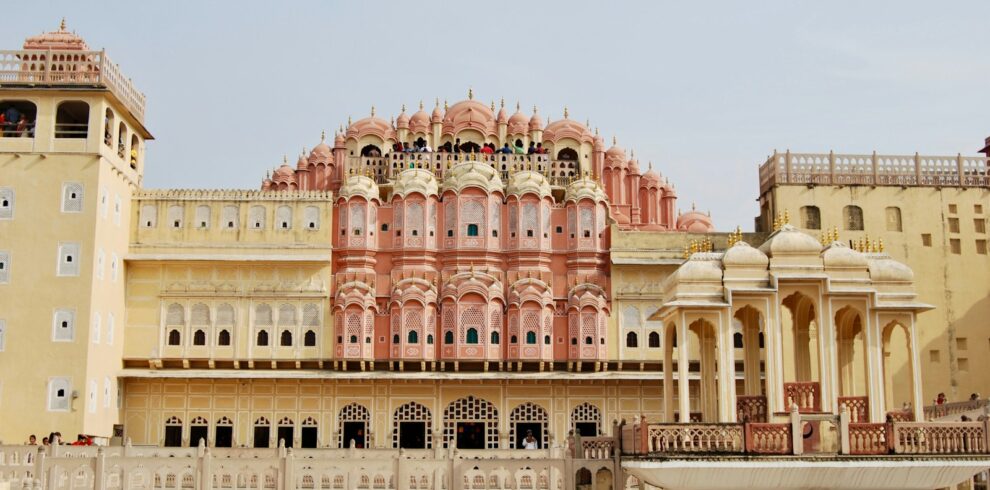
(695, 438)
(859, 408)
(69, 68)
(769, 439)
(933, 412)
(807, 395)
(869, 438)
(900, 416)
(881, 170)
(751, 408)
(387, 167)
(105, 468)
(939, 437)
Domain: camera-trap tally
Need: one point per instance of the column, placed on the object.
(917, 402)
(668, 377)
(727, 371)
(683, 384)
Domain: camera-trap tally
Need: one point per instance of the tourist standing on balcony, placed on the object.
(530, 441)
(540, 150)
(532, 148)
(457, 145)
(940, 399)
(519, 148)
(10, 116)
(506, 149)
(488, 150)
(22, 127)
(32, 440)
(3, 124)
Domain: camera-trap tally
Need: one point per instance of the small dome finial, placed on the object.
(501, 102)
(372, 111)
(470, 93)
(651, 164)
(61, 26)
(348, 120)
(445, 104)
(517, 106)
(403, 108)
(614, 141)
(420, 104)
(285, 159)
(323, 136)
(596, 130)
(493, 105)
(565, 112)
(692, 205)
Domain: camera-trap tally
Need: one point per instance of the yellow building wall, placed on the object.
(943, 238)
(36, 169)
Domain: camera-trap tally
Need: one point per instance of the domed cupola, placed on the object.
(322, 151)
(359, 185)
(535, 124)
(527, 182)
(567, 128)
(472, 174)
(469, 114)
(651, 178)
(585, 188)
(415, 180)
(695, 221)
(615, 157)
(518, 123)
(402, 122)
(61, 39)
(502, 117)
(371, 125)
(420, 121)
(788, 240)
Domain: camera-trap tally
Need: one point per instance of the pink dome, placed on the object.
(518, 123)
(284, 174)
(650, 178)
(322, 149)
(599, 142)
(615, 156)
(371, 125)
(501, 118)
(469, 114)
(420, 121)
(338, 140)
(402, 122)
(535, 124)
(695, 221)
(633, 166)
(437, 113)
(567, 128)
(60, 39)
(302, 163)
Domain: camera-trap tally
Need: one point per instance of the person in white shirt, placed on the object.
(530, 442)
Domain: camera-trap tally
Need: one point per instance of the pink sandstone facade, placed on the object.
(472, 256)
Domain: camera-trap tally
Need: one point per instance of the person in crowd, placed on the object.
(396, 147)
(532, 148)
(940, 399)
(530, 441)
(540, 150)
(974, 397)
(487, 149)
(519, 150)
(3, 124)
(32, 440)
(44, 441)
(506, 149)
(11, 116)
(107, 136)
(22, 126)
(54, 439)
(83, 440)
(426, 148)
(457, 145)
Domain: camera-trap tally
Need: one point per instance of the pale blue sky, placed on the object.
(706, 90)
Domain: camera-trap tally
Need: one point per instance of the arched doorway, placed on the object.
(412, 427)
(586, 420)
(749, 343)
(526, 418)
(706, 336)
(898, 373)
(851, 346)
(353, 426)
(470, 423)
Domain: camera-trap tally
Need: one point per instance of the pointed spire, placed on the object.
(403, 108)
(285, 159)
(348, 119)
(566, 113)
(614, 141)
(323, 136)
(372, 111)
(492, 107)
(596, 130)
(651, 164)
(61, 26)
(470, 93)
(420, 104)
(445, 104)
(517, 106)
(501, 103)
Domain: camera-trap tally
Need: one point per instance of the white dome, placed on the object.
(415, 180)
(471, 174)
(885, 269)
(839, 255)
(528, 182)
(359, 185)
(585, 188)
(742, 254)
(789, 241)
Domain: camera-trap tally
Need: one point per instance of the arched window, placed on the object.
(353, 339)
(199, 337)
(567, 154)
(546, 339)
(894, 218)
(429, 339)
(223, 338)
(573, 340)
(108, 122)
(654, 340)
(495, 338)
(811, 218)
(309, 339)
(589, 340)
(413, 337)
(531, 337)
(448, 337)
(371, 151)
(395, 339)
(737, 340)
(631, 340)
(135, 148)
(513, 340)
(262, 338)
(472, 336)
(20, 116)
(286, 339)
(853, 217)
(174, 338)
(72, 119)
(121, 139)
(472, 230)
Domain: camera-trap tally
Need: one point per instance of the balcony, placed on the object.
(64, 68)
(386, 168)
(878, 170)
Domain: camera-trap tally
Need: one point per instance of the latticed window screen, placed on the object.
(202, 217)
(415, 218)
(200, 314)
(496, 323)
(286, 315)
(357, 218)
(471, 317)
(229, 215)
(531, 322)
(412, 412)
(283, 217)
(572, 220)
(311, 315)
(354, 326)
(473, 213)
(546, 218)
(398, 215)
(587, 220)
(352, 412)
(256, 217)
(225, 315)
(529, 217)
(413, 320)
(529, 413)
(176, 315)
(263, 315)
(470, 409)
(601, 218)
(587, 412)
(449, 216)
(311, 215)
(513, 211)
(72, 198)
(496, 215)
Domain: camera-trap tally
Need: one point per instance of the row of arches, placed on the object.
(469, 423)
(852, 218)
(230, 216)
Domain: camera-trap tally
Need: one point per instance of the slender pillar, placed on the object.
(668, 377)
(683, 384)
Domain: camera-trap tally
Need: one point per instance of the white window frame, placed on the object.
(65, 199)
(96, 328)
(10, 191)
(58, 259)
(62, 380)
(5, 272)
(72, 324)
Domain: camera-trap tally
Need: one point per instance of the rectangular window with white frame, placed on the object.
(3, 335)
(72, 197)
(114, 265)
(116, 209)
(63, 325)
(6, 203)
(4, 267)
(68, 259)
(96, 328)
(59, 394)
(104, 202)
(106, 392)
(100, 260)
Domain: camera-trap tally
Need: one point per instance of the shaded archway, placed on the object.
(470, 423)
(899, 376)
(749, 341)
(851, 346)
(706, 336)
(799, 330)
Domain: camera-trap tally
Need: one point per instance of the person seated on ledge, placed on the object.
(532, 148)
(487, 150)
(540, 150)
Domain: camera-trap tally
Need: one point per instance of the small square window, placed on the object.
(977, 209)
(384, 226)
(450, 233)
(953, 225)
(415, 233)
(961, 343)
(980, 225)
(955, 246)
(529, 233)
(398, 232)
(952, 209)
(926, 239)
(935, 355)
(981, 247)
(560, 229)
(963, 363)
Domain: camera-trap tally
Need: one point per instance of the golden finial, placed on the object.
(445, 104)
(787, 217)
(470, 93)
(880, 246)
(694, 246)
(372, 111)
(493, 105)
(61, 26)
(420, 104)
(835, 233)
(501, 102)
(566, 113)
(776, 222)
(687, 253)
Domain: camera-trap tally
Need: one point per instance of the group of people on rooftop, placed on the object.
(421, 146)
(15, 123)
(55, 439)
